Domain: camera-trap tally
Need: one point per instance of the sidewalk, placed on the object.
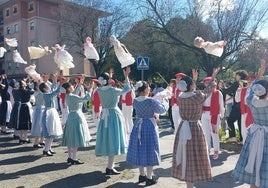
(22, 166)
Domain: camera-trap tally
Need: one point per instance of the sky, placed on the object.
(227, 4)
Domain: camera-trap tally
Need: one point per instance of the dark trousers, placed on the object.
(235, 115)
(170, 116)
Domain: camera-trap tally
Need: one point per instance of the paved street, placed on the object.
(22, 166)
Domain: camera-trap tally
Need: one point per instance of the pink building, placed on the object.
(40, 22)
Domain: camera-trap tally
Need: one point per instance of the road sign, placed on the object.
(143, 63)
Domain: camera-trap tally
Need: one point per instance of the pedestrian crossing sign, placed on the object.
(143, 63)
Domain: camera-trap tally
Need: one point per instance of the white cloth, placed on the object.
(38, 52)
(184, 135)
(53, 123)
(30, 70)
(104, 116)
(2, 51)
(213, 48)
(17, 57)
(256, 151)
(176, 117)
(90, 51)
(9, 108)
(208, 131)
(64, 111)
(63, 59)
(127, 113)
(11, 42)
(122, 54)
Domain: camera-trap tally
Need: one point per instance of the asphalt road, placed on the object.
(22, 166)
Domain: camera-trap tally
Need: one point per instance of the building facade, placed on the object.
(34, 23)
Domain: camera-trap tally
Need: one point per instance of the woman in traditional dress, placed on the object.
(252, 165)
(76, 133)
(38, 111)
(143, 150)
(124, 57)
(24, 111)
(5, 106)
(190, 153)
(51, 121)
(111, 139)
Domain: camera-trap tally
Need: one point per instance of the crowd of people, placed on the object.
(31, 105)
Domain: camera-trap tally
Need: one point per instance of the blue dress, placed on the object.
(51, 124)
(38, 111)
(259, 109)
(76, 132)
(111, 134)
(143, 149)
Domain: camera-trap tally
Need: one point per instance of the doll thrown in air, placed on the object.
(214, 48)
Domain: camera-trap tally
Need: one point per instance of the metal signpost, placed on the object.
(142, 64)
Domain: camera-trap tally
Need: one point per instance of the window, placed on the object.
(7, 12)
(16, 28)
(32, 43)
(8, 30)
(31, 6)
(15, 9)
(32, 26)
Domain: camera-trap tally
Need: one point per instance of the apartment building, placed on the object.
(39, 22)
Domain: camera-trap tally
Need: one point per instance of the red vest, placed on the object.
(128, 99)
(63, 96)
(245, 108)
(95, 99)
(215, 103)
(174, 97)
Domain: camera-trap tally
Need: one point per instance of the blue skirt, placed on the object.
(38, 112)
(239, 173)
(144, 151)
(76, 132)
(110, 139)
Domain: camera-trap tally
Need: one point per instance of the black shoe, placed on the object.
(47, 153)
(15, 137)
(69, 161)
(142, 178)
(42, 143)
(150, 182)
(21, 141)
(76, 162)
(111, 171)
(51, 151)
(5, 132)
(24, 141)
(37, 146)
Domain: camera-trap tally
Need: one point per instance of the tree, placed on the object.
(238, 23)
(96, 19)
(250, 56)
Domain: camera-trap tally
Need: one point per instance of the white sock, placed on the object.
(141, 169)
(149, 170)
(70, 152)
(48, 143)
(110, 162)
(74, 153)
